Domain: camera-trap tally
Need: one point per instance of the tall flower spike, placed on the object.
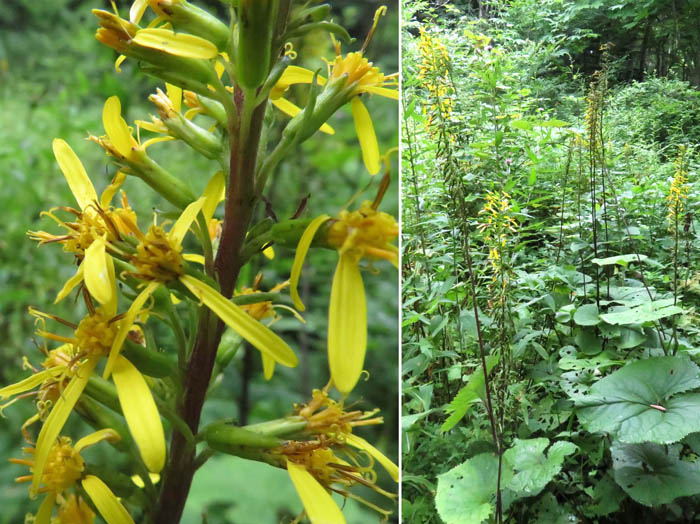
(365, 233)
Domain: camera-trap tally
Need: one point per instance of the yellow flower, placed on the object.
(74, 510)
(360, 77)
(365, 233)
(63, 469)
(96, 224)
(158, 261)
(93, 338)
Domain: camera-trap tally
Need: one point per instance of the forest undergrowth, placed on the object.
(550, 279)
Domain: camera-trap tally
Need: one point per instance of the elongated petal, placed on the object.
(43, 516)
(183, 223)
(347, 325)
(107, 434)
(137, 10)
(111, 189)
(214, 193)
(299, 257)
(175, 96)
(30, 382)
(74, 172)
(194, 257)
(70, 284)
(257, 334)
(269, 253)
(366, 135)
(382, 91)
(105, 501)
(295, 75)
(290, 109)
(125, 326)
(57, 418)
(178, 44)
(268, 366)
(362, 444)
(99, 274)
(115, 126)
(319, 505)
(141, 413)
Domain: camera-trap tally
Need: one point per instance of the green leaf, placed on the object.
(652, 474)
(646, 312)
(466, 494)
(587, 315)
(621, 260)
(645, 401)
(469, 394)
(532, 469)
(521, 124)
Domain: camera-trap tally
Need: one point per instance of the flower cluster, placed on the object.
(434, 71)
(112, 366)
(678, 192)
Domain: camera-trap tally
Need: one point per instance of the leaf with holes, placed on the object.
(466, 494)
(645, 312)
(645, 401)
(652, 474)
(533, 470)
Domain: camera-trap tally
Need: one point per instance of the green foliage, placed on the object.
(535, 235)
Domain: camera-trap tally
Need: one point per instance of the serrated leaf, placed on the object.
(645, 401)
(533, 470)
(652, 474)
(466, 493)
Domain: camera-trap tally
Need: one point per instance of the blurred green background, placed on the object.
(54, 79)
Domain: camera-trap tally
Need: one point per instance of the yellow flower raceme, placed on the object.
(364, 233)
(64, 468)
(96, 223)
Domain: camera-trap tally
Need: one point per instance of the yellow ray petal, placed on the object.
(256, 333)
(296, 75)
(70, 284)
(125, 326)
(118, 62)
(73, 170)
(111, 189)
(152, 126)
(141, 413)
(214, 193)
(115, 126)
(106, 503)
(183, 223)
(299, 257)
(98, 436)
(366, 135)
(43, 516)
(318, 504)
(179, 44)
(290, 109)
(136, 479)
(269, 253)
(57, 418)
(99, 274)
(175, 96)
(268, 366)
(387, 464)
(382, 91)
(30, 382)
(347, 325)
(136, 11)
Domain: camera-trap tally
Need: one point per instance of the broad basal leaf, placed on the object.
(466, 494)
(652, 474)
(645, 401)
(646, 312)
(587, 315)
(621, 260)
(533, 470)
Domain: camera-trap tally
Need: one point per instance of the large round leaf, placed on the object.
(652, 474)
(645, 401)
(587, 315)
(466, 494)
(645, 312)
(532, 469)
